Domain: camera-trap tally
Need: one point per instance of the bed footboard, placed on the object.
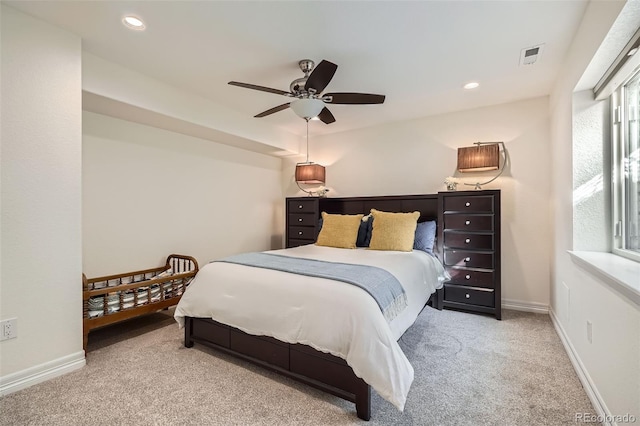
(299, 362)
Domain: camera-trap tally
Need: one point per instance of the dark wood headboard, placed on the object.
(426, 204)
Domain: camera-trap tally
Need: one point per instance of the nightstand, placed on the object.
(303, 214)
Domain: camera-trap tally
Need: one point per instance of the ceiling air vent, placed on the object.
(529, 55)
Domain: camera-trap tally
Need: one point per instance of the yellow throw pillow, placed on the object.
(339, 230)
(393, 231)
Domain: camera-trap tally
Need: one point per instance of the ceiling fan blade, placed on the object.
(261, 88)
(326, 117)
(354, 98)
(321, 76)
(272, 110)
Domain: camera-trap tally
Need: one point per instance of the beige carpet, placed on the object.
(470, 370)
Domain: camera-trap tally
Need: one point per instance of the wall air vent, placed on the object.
(529, 55)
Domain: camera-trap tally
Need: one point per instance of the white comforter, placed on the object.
(330, 316)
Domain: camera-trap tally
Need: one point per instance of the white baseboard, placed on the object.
(40, 373)
(587, 383)
(519, 305)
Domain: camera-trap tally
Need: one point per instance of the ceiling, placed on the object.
(418, 53)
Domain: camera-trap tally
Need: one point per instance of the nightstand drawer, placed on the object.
(467, 240)
(302, 219)
(468, 222)
(473, 296)
(468, 258)
(471, 203)
(302, 206)
(302, 232)
(471, 278)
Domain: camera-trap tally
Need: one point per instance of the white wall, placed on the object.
(414, 157)
(591, 167)
(41, 208)
(148, 192)
(609, 364)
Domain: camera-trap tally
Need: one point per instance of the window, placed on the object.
(626, 168)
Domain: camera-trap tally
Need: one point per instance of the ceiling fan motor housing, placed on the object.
(297, 85)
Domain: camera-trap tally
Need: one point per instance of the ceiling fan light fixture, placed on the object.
(307, 108)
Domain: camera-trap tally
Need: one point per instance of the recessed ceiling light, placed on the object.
(632, 51)
(471, 85)
(133, 22)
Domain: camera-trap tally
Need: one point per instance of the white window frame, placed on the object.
(619, 119)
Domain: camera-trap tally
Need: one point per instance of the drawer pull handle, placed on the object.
(300, 206)
(467, 295)
(468, 240)
(468, 222)
(299, 232)
(299, 219)
(467, 204)
(467, 259)
(467, 277)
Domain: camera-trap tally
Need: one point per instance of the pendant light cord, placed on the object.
(307, 162)
(307, 120)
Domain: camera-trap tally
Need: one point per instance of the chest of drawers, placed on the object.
(302, 214)
(469, 226)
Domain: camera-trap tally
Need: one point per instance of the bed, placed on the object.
(322, 332)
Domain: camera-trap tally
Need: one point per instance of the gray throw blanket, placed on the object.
(385, 289)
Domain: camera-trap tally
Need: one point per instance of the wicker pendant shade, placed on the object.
(310, 173)
(479, 158)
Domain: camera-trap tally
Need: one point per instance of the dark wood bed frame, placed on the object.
(300, 362)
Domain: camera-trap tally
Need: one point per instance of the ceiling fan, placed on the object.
(310, 102)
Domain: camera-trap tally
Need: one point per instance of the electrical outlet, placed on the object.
(9, 329)
(589, 331)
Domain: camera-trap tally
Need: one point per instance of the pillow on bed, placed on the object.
(367, 240)
(339, 230)
(425, 236)
(364, 232)
(393, 231)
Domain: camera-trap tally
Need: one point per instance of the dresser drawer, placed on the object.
(468, 222)
(471, 278)
(471, 203)
(468, 240)
(302, 232)
(302, 206)
(468, 258)
(473, 296)
(302, 219)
